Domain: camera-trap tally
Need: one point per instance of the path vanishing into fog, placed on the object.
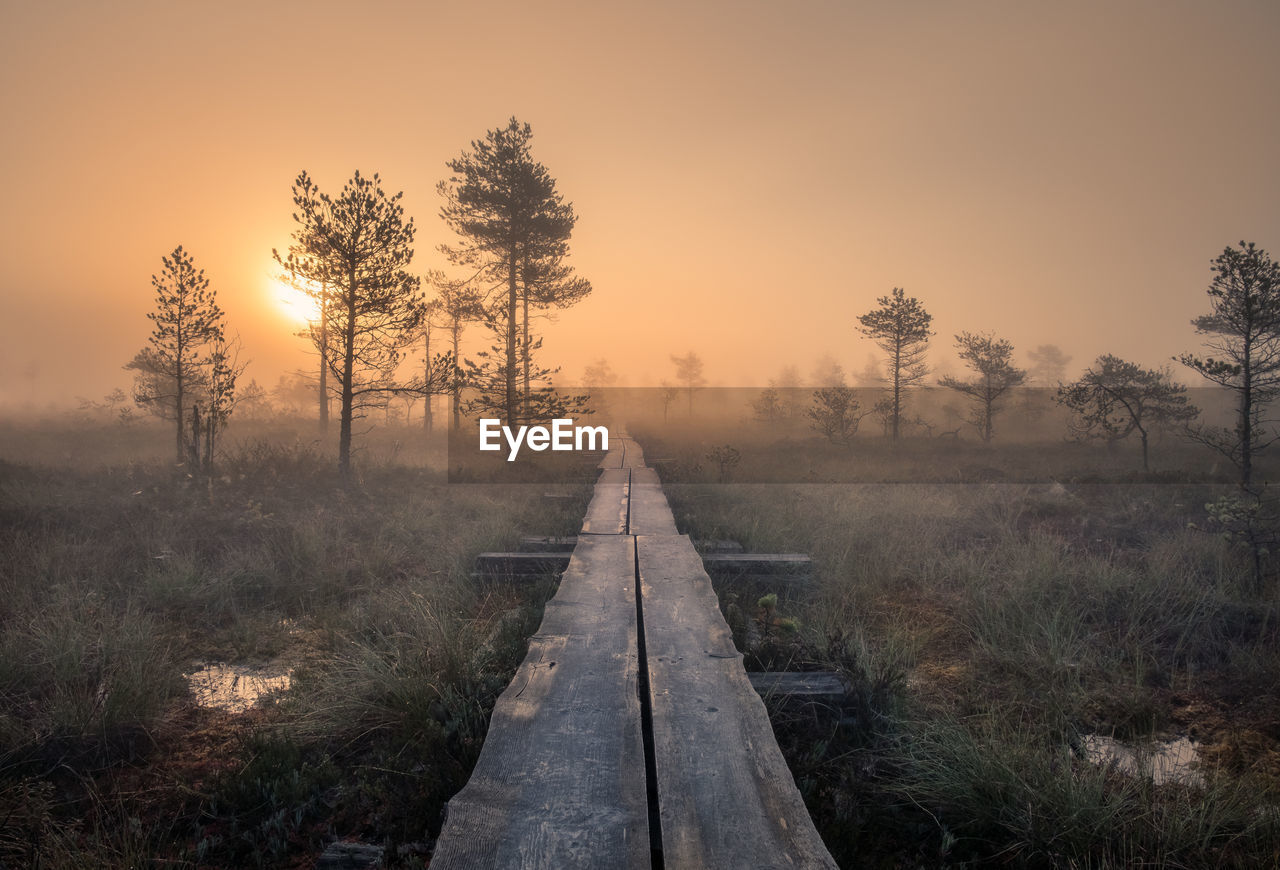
(630, 736)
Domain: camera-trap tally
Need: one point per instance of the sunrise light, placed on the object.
(293, 299)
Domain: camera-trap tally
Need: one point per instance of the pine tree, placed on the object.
(991, 360)
(458, 304)
(900, 327)
(173, 373)
(514, 228)
(1115, 398)
(1243, 330)
(358, 246)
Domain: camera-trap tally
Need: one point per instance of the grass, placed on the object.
(119, 577)
(688, 451)
(987, 628)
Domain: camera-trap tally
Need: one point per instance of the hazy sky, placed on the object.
(749, 176)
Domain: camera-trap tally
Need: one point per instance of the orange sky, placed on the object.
(749, 176)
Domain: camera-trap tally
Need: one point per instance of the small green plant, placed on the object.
(770, 641)
(788, 626)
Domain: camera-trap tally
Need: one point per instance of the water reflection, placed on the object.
(235, 688)
(1171, 761)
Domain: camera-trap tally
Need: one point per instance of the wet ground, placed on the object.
(236, 688)
(1169, 761)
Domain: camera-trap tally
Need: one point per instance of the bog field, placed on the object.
(1052, 658)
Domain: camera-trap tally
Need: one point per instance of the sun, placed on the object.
(292, 302)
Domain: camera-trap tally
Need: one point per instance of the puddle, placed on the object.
(235, 688)
(1168, 761)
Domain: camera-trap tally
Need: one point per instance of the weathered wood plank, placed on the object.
(350, 856)
(790, 584)
(758, 563)
(650, 512)
(726, 796)
(719, 546)
(819, 686)
(545, 544)
(633, 455)
(561, 779)
(498, 565)
(607, 511)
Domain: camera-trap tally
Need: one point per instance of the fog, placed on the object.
(748, 178)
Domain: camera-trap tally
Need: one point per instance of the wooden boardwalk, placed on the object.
(630, 736)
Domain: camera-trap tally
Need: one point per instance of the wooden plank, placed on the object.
(551, 544)
(791, 584)
(817, 686)
(520, 564)
(719, 546)
(650, 513)
(350, 856)
(758, 563)
(560, 781)
(633, 456)
(546, 544)
(607, 511)
(726, 797)
(613, 457)
(646, 477)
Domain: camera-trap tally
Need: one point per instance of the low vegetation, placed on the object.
(992, 632)
(118, 579)
(989, 631)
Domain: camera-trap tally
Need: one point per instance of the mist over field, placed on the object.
(937, 347)
(750, 178)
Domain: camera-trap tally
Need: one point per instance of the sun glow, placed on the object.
(293, 301)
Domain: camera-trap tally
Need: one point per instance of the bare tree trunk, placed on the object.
(210, 430)
(182, 447)
(194, 450)
(897, 388)
(1246, 420)
(348, 370)
(457, 387)
(324, 359)
(178, 409)
(526, 353)
(512, 403)
(426, 354)
(988, 401)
